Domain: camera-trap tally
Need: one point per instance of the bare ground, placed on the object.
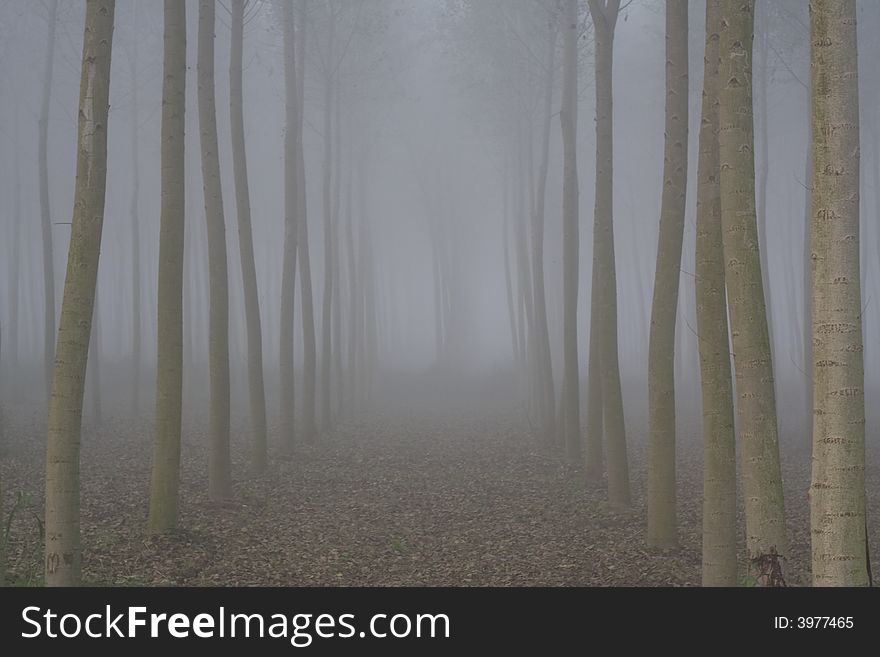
(406, 499)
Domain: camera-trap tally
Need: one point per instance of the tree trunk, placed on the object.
(662, 530)
(756, 407)
(246, 244)
(135, 234)
(719, 452)
(45, 210)
(169, 313)
(542, 335)
(219, 466)
(291, 210)
(354, 319)
(568, 119)
(837, 491)
(308, 313)
(327, 306)
(505, 237)
(337, 263)
(63, 553)
(604, 285)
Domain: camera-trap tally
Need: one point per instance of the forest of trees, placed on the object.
(441, 203)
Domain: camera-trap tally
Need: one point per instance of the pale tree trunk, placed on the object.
(254, 330)
(135, 234)
(169, 314)
(542, 335)
(291, 209)
(353, 322)
(309, 428)
(327, 306)
(63, 552)
(837, 491)
(505, 237)
(45, 210)
(604, 13)
(570, 232)
(662, 530)
(719, 451)
(756, 406)
(15, 256)
(337, 263)
(219, 466)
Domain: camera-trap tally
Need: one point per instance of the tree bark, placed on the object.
(63, 552)
(719, 451)
(756, 406)
(219, 465)
(169, 314)
(662, 530)
(259, 457)
(837, 491)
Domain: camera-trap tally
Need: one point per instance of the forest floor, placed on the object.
(405, 499)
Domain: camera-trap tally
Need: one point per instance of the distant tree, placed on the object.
(169, 314)
(664, 309)
(571, 232)
(603, 310)
(246, 242)
(291, 212)
(63, 552)
(309, 427)
(219, 466)
(837, 492)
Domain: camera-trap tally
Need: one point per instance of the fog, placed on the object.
(436, 115)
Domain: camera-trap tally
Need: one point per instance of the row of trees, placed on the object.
(730, 278)
(340, 23)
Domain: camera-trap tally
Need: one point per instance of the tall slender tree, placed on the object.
(837, 491)
(219, 466)
(719, 450)
(570, 254)
(246, 243)
(63, 561)
(543, 359)
(135, 224)
(291, 211)
(329, 137)
(169, 314)
(45, 209)
(604, 287)
(756, 402)
(662, 531)
(309, 428)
